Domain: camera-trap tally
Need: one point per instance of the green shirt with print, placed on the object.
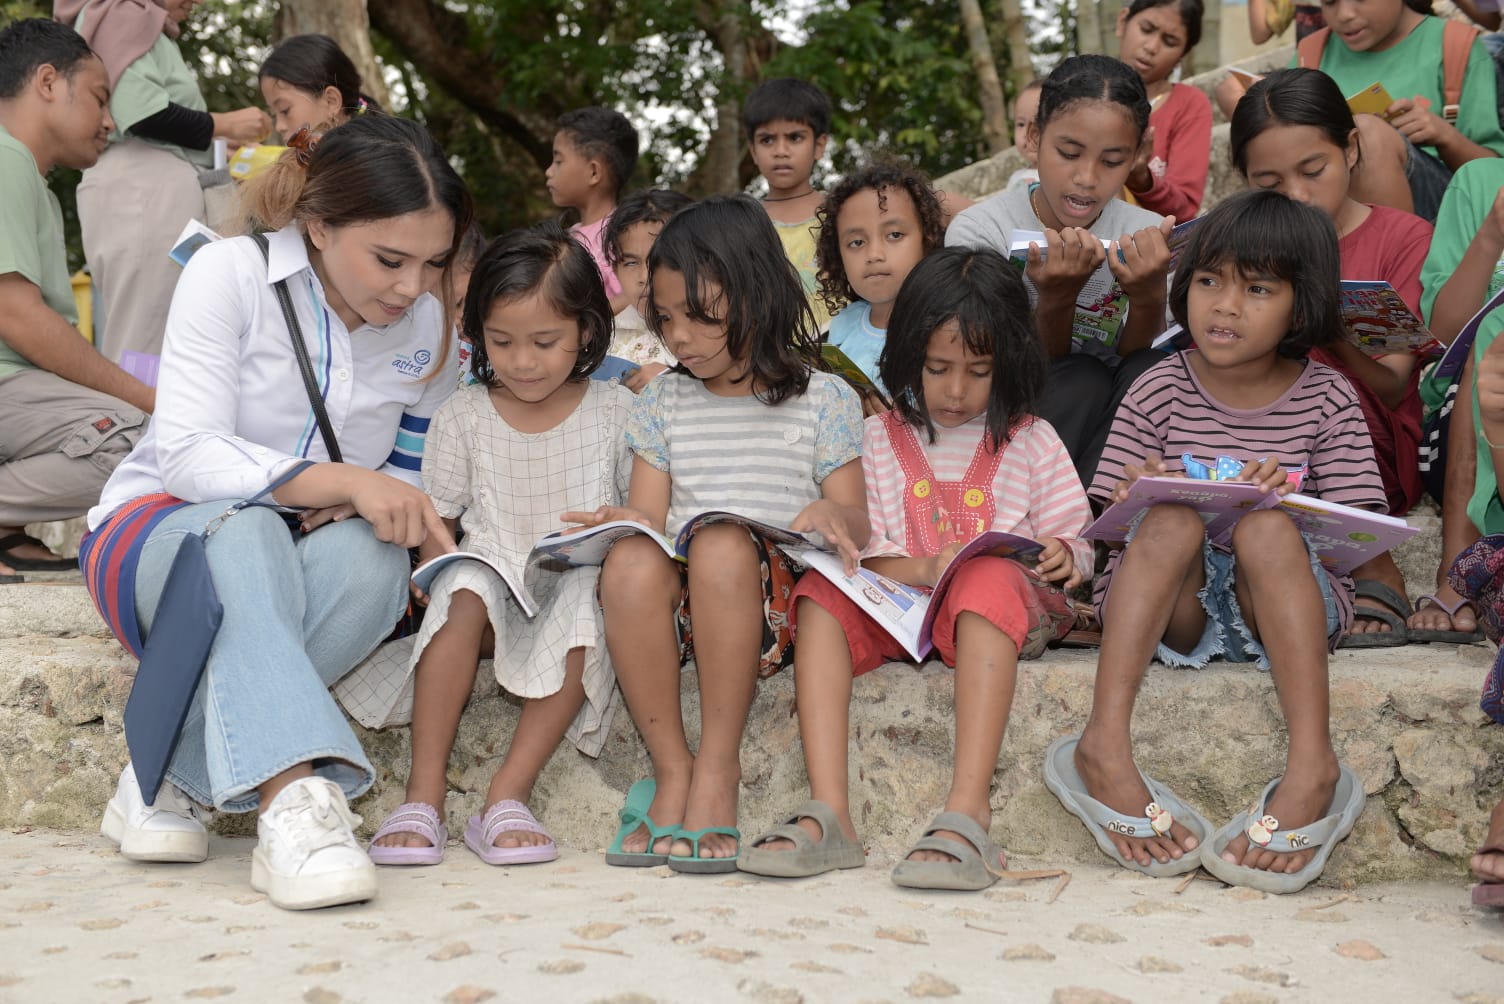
(1413, 66)
(31, 238)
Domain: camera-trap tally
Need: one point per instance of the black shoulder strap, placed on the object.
(310, 384)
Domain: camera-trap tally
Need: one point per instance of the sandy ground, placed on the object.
(78, 923)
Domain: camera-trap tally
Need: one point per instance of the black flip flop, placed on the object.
(21, 564)
(8, 580)
(1398, 634)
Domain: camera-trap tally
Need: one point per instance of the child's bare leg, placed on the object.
(1275, 586)
(1154, 597)
(1457, 529)
(543, 723)
(1380, 569)
(445, 677)
(822, 692)
(986, 674)
(1379, 176)
(726, 609)
(640, 590)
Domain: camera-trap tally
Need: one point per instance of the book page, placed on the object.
(425, 573)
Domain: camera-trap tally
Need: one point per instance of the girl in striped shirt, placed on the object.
(959, 454)
(743, 424)
(1257, 289)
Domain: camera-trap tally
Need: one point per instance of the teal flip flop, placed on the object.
(693, 864)
(634, 814)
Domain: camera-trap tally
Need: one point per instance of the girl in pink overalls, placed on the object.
(959, 454)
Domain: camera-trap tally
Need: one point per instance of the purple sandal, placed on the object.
(411, 817)
(508, 816)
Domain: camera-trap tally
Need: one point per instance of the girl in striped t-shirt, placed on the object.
(1257, 290)
(959, 454)
(741, 424)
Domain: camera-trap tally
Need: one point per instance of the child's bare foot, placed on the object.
(410, 839)
(668, 807)
(812, 826)
(713, 795)
(1108, 770)
(1488, 863)
(1304, 795)
(982, 813)
(1433, 616)
(518, 837)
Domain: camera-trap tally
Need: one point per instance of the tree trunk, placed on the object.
(1016, 32)
(1088, 26)
(745, 45)
(345, 21)
(994, 110)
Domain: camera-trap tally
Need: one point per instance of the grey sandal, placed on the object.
(969, 871)
(808, 856)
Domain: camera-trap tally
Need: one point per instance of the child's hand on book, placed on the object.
(606, 514)
(1417, 122)
(1267, 474)
(1152, 467)
(1056, 563)
(1140, 260)
(828, 519)
(1140, 178)
(1067, 260)
(935, 565)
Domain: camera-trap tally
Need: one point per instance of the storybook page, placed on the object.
(425, 573)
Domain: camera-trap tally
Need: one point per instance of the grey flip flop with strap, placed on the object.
(1440, 635)
(1061, 777)
(808, 856)
(969, 871)
(1263, 829)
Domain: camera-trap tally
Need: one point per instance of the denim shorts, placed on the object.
(1226, 634)
(1428, 178)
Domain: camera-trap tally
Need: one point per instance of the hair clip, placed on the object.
(302, 144)
(361, 106)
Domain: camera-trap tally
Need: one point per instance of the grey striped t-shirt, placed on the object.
(739, 454)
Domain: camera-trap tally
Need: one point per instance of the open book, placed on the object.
(425, 573)
(590, 545)
(1341, 537)
(1101, 306)
(908, 612)
(1380, 322)
(1456, 355)
(194, 236)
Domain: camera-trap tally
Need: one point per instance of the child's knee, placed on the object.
(1380, 142)
(1171, 526)
(637, 572)
(1268, 537)
(722, 548)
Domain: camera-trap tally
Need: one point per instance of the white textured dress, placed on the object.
(509, 488)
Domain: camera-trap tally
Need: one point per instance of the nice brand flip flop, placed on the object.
(1061, 777)
(508, 816)
(411, 817)
(809, 856)
(1263, 829)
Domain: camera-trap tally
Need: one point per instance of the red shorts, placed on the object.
(1030, 612)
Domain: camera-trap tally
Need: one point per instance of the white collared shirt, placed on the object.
(232, 412)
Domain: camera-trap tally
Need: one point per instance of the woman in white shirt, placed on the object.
(366, 224)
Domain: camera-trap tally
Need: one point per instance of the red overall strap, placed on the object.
(937, 512)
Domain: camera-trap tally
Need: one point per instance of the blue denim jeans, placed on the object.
(299, 613)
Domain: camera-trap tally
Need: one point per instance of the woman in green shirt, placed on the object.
(133, 203)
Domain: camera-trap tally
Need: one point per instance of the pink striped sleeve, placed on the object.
(884, 500)
(1057, 502)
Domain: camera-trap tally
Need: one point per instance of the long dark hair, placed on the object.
(1294, 96)
(729, 242)
(541, 259)
(1264, 233)
(985, 296)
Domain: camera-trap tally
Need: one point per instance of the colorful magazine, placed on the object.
(905, 612)
(425, 573)
(1342, 537)
(590, 545)
(1380, 322)
(1456, 355)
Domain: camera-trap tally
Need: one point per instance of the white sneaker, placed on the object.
(171, 829)
(308, 855)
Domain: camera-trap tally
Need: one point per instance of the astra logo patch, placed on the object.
(412, 365)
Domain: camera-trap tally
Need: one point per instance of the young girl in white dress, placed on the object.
(534, 438)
